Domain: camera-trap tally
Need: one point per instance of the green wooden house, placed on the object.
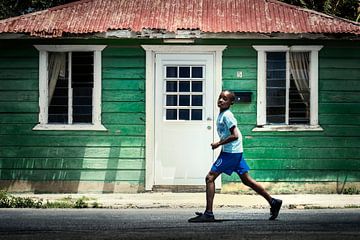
(120, 96)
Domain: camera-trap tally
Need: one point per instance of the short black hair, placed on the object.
(231, 95)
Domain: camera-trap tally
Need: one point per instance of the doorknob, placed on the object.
(209, 127)
(209, 119)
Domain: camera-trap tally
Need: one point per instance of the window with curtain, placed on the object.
(287, 87)
(287, 101)
(71, 81)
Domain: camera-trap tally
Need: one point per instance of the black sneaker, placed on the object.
(202, 217)
(275, 208)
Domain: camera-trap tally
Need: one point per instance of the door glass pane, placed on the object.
(171, 72)
(184, 100)
(197, 86)
(171, 86)
(184, 72)
(184, 114)
(197, 72)
(171, 100)
(196, 100)
(171, 114)
(184, 86)
(196, 114)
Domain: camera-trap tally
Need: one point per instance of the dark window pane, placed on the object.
(184, 100)
(197, 100)
(171, 100)
(171, 86)
(196, 114)
(171, 114)
(184, 72)
(171, 72)
(184, 114)
(184, 86)
(197, 72)
(275, 87)
(196, 86)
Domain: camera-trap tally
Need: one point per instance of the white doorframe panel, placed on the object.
(151, 51)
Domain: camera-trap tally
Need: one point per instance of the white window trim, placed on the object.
(261, 88)
(43, 87)
(151, 51)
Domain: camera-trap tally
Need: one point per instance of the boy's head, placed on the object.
(225, 100)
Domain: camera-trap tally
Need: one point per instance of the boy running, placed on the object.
(230, 160)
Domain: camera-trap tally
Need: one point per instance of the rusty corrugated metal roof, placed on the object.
(206, 16)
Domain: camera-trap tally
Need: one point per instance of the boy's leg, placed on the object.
(248, 181)
(210, 190)
(275, 204)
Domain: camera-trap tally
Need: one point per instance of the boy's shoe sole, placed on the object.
(202, 218)
(275, 209)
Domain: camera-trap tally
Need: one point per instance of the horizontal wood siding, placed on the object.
(118, 154)
(331, 155)
(114, 156)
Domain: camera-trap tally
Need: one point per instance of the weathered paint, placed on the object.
(114, 161)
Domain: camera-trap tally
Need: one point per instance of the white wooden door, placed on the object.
(184, 118)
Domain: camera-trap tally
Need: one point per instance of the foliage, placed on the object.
(9, 201)
(342, 8)
(11, 8)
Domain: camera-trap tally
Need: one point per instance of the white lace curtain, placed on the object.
(57, 68)
(299, 68)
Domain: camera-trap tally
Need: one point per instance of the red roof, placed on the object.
(206, 16)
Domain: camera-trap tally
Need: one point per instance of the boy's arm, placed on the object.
(234, 135)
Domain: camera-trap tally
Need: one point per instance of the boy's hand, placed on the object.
(215, 145)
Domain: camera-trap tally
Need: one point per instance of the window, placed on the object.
(287, 88)
(70, 87)
(184, 95)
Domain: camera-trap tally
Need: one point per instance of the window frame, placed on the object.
(261, 87)
(96, 124)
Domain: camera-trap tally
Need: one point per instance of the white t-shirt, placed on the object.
(225, 121)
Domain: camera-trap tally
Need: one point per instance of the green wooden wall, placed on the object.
(118, 155)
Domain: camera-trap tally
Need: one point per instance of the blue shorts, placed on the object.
(230, 162)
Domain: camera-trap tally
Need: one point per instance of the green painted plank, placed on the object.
(129, 51)
(72, 163)
(75, 152)
(240, 85)
(123, 107)
(18, 85)
(343, 52)
(124, 95)
(299, 176)
(20, 73)
(123, 118)
(339, 74)
(121, 62)
(302, 153)
(342, 63)
(340, 85)
(123, 73)
(18, 118)
(339, 108)
(335, 96)
(301, 142)
(19, 52)
(18, 96)
(74, 175)
(123, 84)
(19, 107)
(112, 129)
(74, 141)
(239, 108)
(239, 51)
(304, 164)
(339, 119)
(11, 63)
(239, 62)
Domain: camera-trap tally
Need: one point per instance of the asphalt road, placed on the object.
(172, 224)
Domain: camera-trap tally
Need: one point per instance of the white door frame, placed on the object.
(151, 51)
